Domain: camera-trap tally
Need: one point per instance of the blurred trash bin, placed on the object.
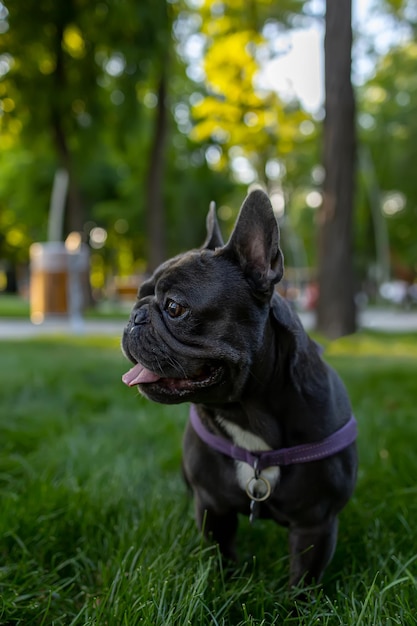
(57, 280)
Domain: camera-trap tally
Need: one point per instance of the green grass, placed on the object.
(96, 526)
(15, 306)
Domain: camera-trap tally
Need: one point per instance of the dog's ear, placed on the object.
(255, 242)
(214, 237)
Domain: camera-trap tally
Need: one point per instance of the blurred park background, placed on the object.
(121, 120)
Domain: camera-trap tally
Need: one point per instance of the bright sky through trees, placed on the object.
(300, 71)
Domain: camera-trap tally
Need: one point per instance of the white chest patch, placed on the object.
(249, 441)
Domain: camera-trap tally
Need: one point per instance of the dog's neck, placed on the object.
(264, 410)
(258, 410)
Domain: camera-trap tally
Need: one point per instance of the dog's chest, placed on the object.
(249, 441)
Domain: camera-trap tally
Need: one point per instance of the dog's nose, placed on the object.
(141, 316)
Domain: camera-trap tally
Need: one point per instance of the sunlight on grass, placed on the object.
(13, 306)
(368, 344)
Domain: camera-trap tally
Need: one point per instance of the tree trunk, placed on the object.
(336, 314)
(74, 217)
(155, 210)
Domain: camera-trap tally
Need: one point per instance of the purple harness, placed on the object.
(304, 453)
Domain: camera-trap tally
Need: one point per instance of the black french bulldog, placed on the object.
(209, 328)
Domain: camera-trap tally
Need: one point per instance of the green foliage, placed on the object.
(25, 182)
(235, 115)
(94, 67)
(75, 47)
(248, 132)
(91, 69)
(97, 527)
(388, 129)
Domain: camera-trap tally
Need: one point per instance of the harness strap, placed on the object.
(304, 453)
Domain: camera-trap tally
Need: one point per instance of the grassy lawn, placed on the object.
(96, 526)
(13, 306)
(19, 307)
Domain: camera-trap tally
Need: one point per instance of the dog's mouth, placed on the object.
(139, 375)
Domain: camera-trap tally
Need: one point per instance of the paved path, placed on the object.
(375, 319)
(388, 319)
(22, 329)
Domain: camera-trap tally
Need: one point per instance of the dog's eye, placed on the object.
(174, 309)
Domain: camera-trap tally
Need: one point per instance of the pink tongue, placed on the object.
(139, 374)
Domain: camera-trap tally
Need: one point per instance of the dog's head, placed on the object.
(199, 320)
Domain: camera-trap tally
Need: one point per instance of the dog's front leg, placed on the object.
(220, 527)
(311, 550)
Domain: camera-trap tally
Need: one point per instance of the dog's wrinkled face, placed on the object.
(193, 330)
(200, 319)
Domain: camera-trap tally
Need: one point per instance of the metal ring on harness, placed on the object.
(251, 488)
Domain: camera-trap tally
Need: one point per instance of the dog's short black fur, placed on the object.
(210, 328)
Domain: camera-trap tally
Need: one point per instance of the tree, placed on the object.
(74, 70)
(336, 314)
(237, 118)
(387, 117)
